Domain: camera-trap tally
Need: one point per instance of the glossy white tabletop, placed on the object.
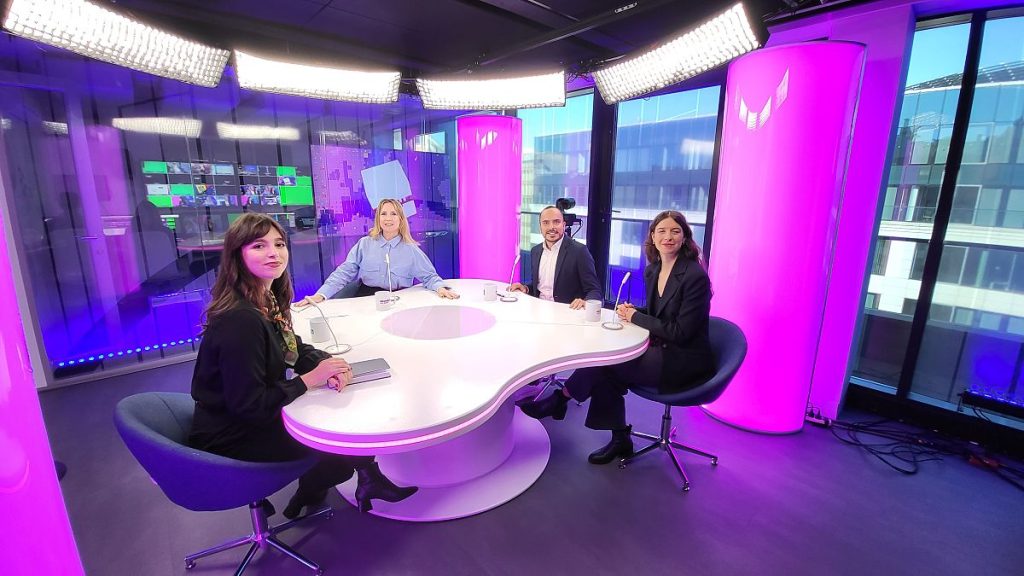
(453, 363)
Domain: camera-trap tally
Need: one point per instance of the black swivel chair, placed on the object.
(730, 347)
(154, 427)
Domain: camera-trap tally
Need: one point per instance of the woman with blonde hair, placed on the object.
(251, 364)
(367, 260)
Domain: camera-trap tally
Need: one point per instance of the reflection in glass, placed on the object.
(925, 126)
(664, 148)
(556, 164)
(122, 195)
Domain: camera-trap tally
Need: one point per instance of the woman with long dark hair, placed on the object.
(251, 364)
(678, 355)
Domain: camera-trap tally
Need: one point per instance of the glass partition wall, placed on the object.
(122, 185)
(945, 300)
(664, 150)
(556, 164)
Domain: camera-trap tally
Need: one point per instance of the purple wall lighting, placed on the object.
(785, 144)
(490, 187)
(35, 531)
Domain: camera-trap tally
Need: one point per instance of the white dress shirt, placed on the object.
(546, 274)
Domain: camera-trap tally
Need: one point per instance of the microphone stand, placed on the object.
(616, 324)
(387, 260)
(507, 296)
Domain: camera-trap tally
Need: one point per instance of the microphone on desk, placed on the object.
(391, 294)
(507, 296)
(617, 323)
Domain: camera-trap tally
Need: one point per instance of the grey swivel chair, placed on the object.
(730, 347)
(154, 427)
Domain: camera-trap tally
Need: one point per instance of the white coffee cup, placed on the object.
(490, 292)
(384, 299)
(593, 311)
(319, 329)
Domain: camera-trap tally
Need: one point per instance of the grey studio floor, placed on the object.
(797, 504)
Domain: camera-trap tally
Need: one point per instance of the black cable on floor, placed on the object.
(904, 450)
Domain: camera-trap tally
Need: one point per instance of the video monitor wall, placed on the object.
(207, 184)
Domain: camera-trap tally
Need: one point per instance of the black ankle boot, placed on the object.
(300, 500)
(620, 447)
(374, 484)
(552, 405)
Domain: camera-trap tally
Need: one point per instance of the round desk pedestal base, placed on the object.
(525, 463)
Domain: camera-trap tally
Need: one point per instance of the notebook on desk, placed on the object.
(367, 370)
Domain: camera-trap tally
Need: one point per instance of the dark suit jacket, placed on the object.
(575, 276)
(679, 324)
(239, 382)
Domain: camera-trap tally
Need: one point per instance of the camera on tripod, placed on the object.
(566, 204)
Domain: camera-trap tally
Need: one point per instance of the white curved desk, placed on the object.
(444, 420)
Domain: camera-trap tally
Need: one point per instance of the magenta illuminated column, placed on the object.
(35, 532)
(785, 144)
(490, 161)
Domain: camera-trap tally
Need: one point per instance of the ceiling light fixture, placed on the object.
(711, 44)
(98, 33)
(255, 73)
(495, 94)
(184, 127)
(256, 132)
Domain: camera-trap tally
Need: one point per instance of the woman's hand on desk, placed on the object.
(314, 299)
(332, 372)
(626, 311)
(447, 293)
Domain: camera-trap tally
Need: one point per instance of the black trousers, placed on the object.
(606, 387)
(365, 290)
(276, 445)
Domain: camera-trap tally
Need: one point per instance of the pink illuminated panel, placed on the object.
(490, 187)
(785, 144)
(35, 531)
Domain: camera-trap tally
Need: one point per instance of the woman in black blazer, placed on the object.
(250, 365)
(678, 355)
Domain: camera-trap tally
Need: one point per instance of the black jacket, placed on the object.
(575, 276)
(679, 325)
(239, 382)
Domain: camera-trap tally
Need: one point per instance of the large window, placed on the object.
(664, 148)
(915, 173)
(972, 337)
(122, 190)
(556, 164)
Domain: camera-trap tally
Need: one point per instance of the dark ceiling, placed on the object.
(434, 37)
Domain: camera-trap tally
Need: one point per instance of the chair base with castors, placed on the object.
(729, 346)
(549, 381)
(262, 536)
(155, 428)
(665, 442)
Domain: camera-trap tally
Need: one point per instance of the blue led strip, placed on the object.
(121, 353)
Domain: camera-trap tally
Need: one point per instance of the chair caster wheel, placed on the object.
(686, 487)
(189, 565)
(319, 572)
(622, 465)
(714, 461)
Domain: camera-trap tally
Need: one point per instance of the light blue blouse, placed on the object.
(365, 262)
